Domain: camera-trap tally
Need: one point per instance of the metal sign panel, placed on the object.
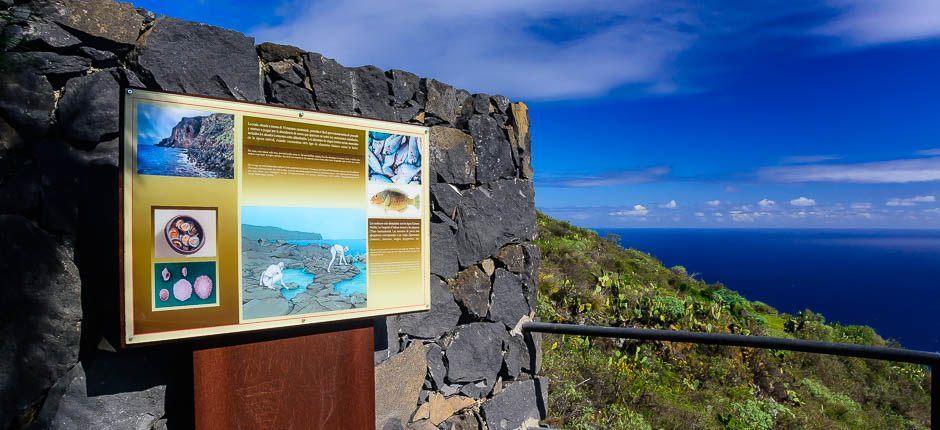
(239, 216)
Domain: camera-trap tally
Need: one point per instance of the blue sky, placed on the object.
(789, 113)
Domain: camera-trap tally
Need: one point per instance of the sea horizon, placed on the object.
(888, 279)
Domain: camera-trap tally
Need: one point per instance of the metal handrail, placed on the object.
(931, 359)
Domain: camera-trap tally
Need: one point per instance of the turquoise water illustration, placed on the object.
(354, 285)
(298, 276)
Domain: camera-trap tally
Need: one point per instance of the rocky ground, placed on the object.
(318, 296)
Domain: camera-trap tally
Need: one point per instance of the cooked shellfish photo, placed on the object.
(183, 233)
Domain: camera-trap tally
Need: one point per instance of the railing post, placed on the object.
(934, 396)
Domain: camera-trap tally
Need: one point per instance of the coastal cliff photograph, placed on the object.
(172, 141)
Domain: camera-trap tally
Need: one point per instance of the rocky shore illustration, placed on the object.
(208, 142)
(301, 281)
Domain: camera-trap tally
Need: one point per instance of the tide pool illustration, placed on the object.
(298, 260)
(173, 141)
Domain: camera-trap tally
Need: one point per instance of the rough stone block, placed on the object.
(492, 216)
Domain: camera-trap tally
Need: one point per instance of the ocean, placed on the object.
(886, 279)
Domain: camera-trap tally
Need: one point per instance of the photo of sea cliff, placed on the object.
(299, 260)
(172, 141)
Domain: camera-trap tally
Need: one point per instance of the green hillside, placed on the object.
(615, 384)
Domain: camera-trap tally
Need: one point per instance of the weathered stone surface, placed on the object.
(10, 139)
(476, 390)
(404, 85)
(105, 19)
(397, 385)
(388, 346)
(442, 100)
(271, 52)
(88, 109)
(332, 84)
(488, 266)
(501, 102)
(286, 70)
(113, 393)
(45, 35)
(533, 257)
(517, 356)
(512, 257)
(292, 95)
(443, 251)
(441, 408)
(48, 63)
(436, 367)
(522, 138)
(481, 103)
(494, 155)
(40, 345)
(520, 405)
(26, 99)
(476, 352)
(452, 156)
(446, 197)
(442, 317)
(201, 59)
(472, 289)
(371, 93)
(466, 421)
(98, 57)
(508, 302)
(492, 216)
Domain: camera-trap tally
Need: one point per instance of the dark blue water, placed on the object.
(157, 160)
(887, 279)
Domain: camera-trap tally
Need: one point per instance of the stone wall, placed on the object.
(462, 365)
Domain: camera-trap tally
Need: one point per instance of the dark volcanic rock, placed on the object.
(98, 57)
(472, 289)
(287, 71)
(508, 303)
(513, 257)
(40, 299)
(272, 52)
(443, 251)
(201, 59)
(492, 216)
(436, 366)
(100, 19)
(442, 100)
(446, 197)
(442, 317)
(112, 393)
(453, 159)
(476, 352)
(26, 99)
(501, 102)
(467, 421)
(332, 84)
(404, 85)
(371, 93)
(481, 103)
(521, 404)
(44, 35)
(517, 356)
(47, 63)
(494, 155)
(292, 95)
(88, 109)
(522, 138)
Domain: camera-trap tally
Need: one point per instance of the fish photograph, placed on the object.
(394, 158)
(394, 201)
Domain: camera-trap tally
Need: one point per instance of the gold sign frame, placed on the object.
(304, 165)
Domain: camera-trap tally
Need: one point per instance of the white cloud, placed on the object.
(626, 177)
(739, 216)
(718, 214)
(638, 210)
(671, 205)
(879, 172)
(808, 159)
(700, 214)
(871, 22)
(932, 152)
(911, 201)
(803, 202)
(766, 203)
(713, 203)
(861, 205)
